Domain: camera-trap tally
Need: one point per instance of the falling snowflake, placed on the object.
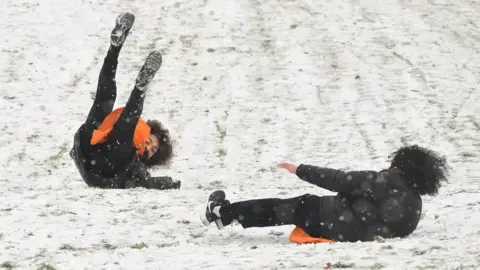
(366, 186)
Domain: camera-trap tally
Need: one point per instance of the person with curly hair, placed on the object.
(115, 149)
(367, 203)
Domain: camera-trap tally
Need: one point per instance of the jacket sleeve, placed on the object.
(144, 179)
(162, 182)
(351, 182)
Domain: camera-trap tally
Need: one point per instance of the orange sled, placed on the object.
(299, 236)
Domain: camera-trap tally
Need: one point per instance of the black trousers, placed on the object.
(303, 211)
(111, 156)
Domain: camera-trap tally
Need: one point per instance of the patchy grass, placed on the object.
(46, 267)
(139, 245)
(7, 265)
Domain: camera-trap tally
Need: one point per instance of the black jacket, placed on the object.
(368, 203)
(134, 175)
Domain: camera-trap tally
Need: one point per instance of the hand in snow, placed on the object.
(290, 167)
(176, 184)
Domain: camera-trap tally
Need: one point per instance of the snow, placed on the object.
(244, 85)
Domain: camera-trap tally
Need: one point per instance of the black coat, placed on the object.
(135, 174)
(368, 203)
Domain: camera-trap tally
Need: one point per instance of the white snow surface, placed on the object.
(245, 84)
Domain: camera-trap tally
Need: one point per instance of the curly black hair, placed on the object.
(424, 169)
(165, 150)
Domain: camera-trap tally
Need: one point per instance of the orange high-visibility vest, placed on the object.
(140, 135)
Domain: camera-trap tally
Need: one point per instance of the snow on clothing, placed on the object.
(107, 146)
(368, 204)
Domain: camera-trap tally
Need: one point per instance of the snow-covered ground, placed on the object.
(245, 84)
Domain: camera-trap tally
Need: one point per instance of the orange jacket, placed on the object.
(142, 131)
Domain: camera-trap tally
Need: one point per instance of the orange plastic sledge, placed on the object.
(299, 236)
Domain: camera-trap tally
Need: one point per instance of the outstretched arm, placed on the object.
(352, 182)
(162, 182)
(145, 180)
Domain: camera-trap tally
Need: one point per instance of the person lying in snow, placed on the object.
(368, 203)
(114, 149)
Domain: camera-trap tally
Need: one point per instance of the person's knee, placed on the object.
(307, 199)
(285, 212)
(288, 210)
(307, 195)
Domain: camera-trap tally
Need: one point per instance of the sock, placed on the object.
(216, 211)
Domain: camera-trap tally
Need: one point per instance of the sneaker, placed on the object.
(123, 25)
(150, 67)
(217, 198)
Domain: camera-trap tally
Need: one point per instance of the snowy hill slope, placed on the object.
(245, 84)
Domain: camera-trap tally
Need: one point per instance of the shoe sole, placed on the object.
(123, 24)
(149, 69)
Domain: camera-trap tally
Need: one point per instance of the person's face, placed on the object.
(151, 145)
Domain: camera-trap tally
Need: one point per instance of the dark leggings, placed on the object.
(303, 211)
(111, 156)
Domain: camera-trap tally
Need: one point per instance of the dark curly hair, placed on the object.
(165, 149)
(423, 168)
